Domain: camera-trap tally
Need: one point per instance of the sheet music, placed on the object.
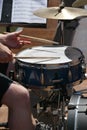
(22, 11)
(1, 3)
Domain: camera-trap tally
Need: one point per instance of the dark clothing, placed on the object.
(3, 67)
(4, 84)
(4, 80)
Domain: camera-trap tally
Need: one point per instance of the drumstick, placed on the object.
(23, 57)
(40, 40)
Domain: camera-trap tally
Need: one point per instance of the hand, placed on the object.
(5, 54)
(13, 40)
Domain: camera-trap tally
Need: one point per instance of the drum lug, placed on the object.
(71, 106)
(18, 77)
(83, 67)
(70, 75)
(57, 80)
(83, 111)
(11, 74)
(42, 78)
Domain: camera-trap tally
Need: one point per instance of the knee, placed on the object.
(16, 95)
(23, 97)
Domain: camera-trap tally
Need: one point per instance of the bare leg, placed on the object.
(18, 101)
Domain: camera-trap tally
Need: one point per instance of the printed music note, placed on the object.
(22, 11)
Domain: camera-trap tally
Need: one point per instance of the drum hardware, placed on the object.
(83, 111)
(79, 3)
(83, 66)
(54, 104)
(11, 74)
(69, 74)
(80, 92)
(57, 81)
(86, 75)
(43, 126)
(75, 106)
(48, 88)
(61, 6)
(66, 13)
(39, 108)
(42, 78)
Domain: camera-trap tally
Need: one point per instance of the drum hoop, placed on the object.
(44, 66)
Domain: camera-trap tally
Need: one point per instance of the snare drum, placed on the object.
(45, 65)
(77, 114)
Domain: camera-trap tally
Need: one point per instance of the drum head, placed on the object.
(49, 55)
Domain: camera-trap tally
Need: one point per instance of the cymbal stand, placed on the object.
(59, 36)
(62, 5)
(60, 32)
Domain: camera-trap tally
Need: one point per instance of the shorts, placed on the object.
(3, 67)
(4, 84)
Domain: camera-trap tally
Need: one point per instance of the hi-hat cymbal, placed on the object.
(79, 3)
(66, 13)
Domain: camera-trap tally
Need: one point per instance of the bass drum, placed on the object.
(77, 114)
(46, 65)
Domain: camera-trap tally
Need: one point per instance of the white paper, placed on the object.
(1, 3)
(22, 11)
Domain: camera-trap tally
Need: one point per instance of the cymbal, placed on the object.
(79, 3)
(66, 13)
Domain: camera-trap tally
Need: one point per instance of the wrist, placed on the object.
(3, 39)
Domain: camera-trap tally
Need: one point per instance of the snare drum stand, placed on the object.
(62, 105)
(58, 102)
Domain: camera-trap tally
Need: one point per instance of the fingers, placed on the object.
(21, 44)
(18, 32)
(13, 34)
(25, 42)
